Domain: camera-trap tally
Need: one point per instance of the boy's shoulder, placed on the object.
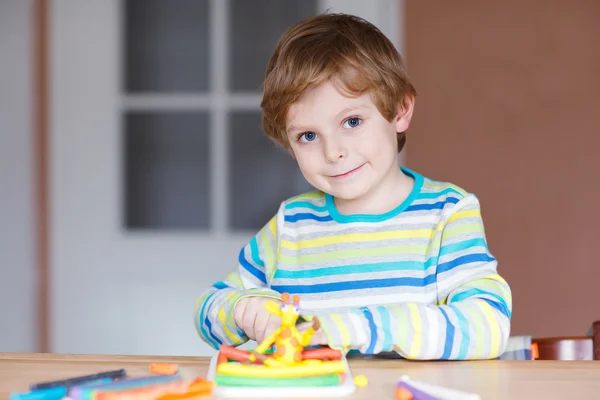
(309, 206)
(440, 194)
(442, 190)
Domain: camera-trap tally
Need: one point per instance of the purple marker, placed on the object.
(417, 394)
(426, 391)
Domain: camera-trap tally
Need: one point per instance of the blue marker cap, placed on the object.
(56, 393)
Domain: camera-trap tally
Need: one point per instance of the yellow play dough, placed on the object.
(361, 380)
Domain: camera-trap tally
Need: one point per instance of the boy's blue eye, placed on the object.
(352, 122)
(308, 136)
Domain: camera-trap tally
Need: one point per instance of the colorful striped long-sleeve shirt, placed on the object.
(418, 280)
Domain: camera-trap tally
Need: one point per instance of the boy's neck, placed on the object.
(392, 191)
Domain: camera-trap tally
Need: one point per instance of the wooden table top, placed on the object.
(490, 379)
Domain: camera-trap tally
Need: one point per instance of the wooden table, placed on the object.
(565, 380)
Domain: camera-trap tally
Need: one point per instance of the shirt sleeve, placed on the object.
(471, 319)
(213, 313)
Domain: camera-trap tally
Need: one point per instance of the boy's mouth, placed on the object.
(348, 173)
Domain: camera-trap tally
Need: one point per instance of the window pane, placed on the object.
(167, 170)
(166, 45)
(256, 26)
(262, 175)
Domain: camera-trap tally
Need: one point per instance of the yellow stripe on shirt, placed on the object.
(358, 237)
(224, 323)
(474, 315)
(341, 328)
(353, 253)
(492, 320)
(417, 325)
(465, 214)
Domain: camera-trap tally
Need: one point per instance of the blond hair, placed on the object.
(343, 48)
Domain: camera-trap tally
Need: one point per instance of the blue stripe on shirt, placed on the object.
(352, 285)
(386, 328)
(260, 275)
(355, 269)
(434, 206)
(255, 253)
(464, 330)
(462, 246)
(435, 195)
(449, 336)
(200, 316)
(497, 306)
(306, 204)
(220, 285)
(372, 328)
(209, 326)
(469, 258)
(474, 292)
(307, 216)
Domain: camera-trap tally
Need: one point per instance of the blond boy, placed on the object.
(383, 258)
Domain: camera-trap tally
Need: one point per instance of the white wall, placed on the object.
(17, 232)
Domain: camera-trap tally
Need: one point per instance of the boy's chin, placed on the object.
(344, 192)
(348, 194)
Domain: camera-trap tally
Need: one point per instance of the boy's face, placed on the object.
(343, 145)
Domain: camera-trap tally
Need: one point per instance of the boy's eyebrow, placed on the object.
(291, 129)
(350, 109)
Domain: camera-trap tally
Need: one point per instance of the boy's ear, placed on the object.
(404, 113)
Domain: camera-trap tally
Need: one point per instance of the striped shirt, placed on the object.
(418, 280)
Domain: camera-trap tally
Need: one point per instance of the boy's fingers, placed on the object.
(318, 338)
(257, 322)
(260, 324)
(273, 323)
(248, 322)
(239, 311)
(316, 324)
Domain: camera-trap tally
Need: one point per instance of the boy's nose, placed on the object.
(334, 151)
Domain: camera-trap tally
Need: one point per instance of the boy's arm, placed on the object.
(471, 319)
(213, 314)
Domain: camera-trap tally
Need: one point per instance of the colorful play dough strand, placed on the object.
(325, 380)
(324, 353)
(302, 370)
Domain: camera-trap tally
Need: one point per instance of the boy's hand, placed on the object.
(251, 316)
(318, 338)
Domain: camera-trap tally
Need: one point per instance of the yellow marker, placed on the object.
(361, 380)
(251, 371)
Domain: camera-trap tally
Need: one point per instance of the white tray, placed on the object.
(345, 389)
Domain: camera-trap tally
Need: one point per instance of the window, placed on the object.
(194, 153)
